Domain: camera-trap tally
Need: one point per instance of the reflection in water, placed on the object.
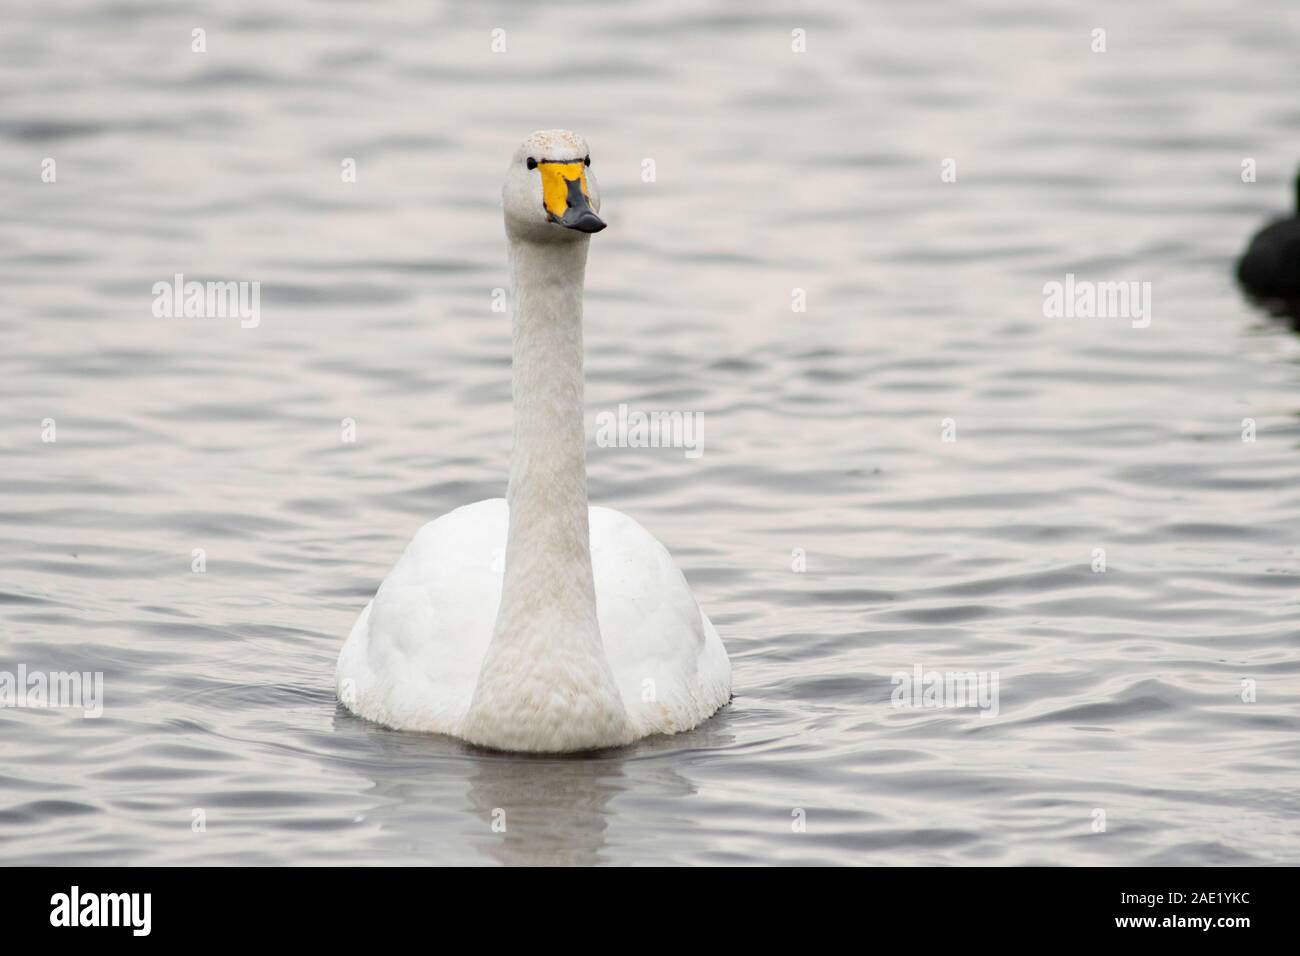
(535, 810)
(547, 811)
(1287, 310)
(558, 810)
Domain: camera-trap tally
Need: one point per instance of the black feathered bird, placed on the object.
(1270, 268)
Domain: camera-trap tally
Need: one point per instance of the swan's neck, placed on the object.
(546, 683)
(548, 550)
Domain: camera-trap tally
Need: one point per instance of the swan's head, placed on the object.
(550, 193)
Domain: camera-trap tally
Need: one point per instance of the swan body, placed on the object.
(535, 622)
(415, 653)
(1270, 267)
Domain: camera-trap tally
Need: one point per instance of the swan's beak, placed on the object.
(565, 197)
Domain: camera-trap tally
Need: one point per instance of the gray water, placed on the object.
(1124, 692)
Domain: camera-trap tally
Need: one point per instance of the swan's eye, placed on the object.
(587, 161)
(532, 163)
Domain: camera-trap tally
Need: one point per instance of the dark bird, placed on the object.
(1270, 269)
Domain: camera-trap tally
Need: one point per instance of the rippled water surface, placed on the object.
(821, 171)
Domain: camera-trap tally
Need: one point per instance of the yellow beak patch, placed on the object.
(555, 185)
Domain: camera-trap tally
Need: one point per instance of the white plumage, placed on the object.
(533, 622)
(414, 654)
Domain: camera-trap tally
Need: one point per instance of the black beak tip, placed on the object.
(589, 222)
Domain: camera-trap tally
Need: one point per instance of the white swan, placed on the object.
(591, 637)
